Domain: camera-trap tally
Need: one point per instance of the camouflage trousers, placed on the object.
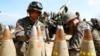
(19, 53)
(73, 52)
(18, 46)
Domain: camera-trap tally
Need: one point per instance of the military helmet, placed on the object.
(69, 16)
(35, 6)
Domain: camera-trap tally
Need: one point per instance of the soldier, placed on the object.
(78, 15)
(75, 28)
(45, 20)
(24, 25)
(96, 24)
(1, 31)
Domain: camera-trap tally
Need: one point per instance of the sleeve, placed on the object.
(77, 36)
(96, 39)
(19, 28)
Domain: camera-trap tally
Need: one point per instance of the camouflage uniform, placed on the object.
(45, 21)
(77, 36)
(23, 28)
(2, 27)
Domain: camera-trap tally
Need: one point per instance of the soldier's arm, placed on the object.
(96, 39)
(76, 39)
(20, 33)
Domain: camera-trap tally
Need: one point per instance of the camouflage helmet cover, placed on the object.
(69, 16)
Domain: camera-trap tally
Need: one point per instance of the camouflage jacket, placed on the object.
(24, 26)
(77, 37)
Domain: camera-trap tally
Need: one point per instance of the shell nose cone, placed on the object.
(6, 34)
